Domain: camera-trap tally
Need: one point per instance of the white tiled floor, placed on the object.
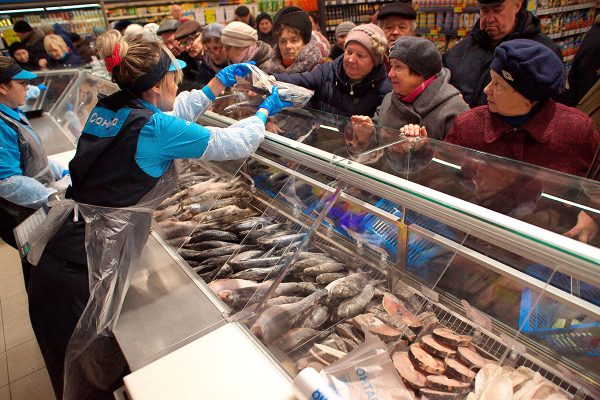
(23, 375)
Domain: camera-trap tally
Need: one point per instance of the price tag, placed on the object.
(429, 293)
(512, 343)
(434, 31)
(477, 316)
(458, 9)
(461, 32)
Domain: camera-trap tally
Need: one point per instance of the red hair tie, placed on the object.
(113, 60)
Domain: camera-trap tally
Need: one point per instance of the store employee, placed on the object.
(24, 168)
(122, 170)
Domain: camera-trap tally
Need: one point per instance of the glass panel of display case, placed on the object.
(75, 107)
(564, 335)
(57, 82)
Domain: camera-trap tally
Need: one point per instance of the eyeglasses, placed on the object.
(215, 49)
(189, 41)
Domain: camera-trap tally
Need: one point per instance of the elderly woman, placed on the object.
(264, 26)
(422, 93)
(60, 54)
(295, 51)
(242, 45)
(353, 84)
(214, 57)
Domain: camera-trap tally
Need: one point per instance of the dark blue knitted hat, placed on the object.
(531, 68)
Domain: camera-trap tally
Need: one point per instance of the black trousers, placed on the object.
(58, 294)
(8, 222)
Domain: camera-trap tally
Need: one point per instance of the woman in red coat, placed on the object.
(521, 120)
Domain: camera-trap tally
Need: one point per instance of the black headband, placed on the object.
(8, 73)
(152, 77)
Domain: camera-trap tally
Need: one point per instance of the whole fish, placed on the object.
(276, 320)
(279, 240)
(329, 277)
(356, 305)
(237, 298)
(348, 286)
(324, 268)
(236, 260)
(297, 337)
(259, 274)
(199, 188)
(222, 284)
(224, 250)
(310, 262)
(224, 272)
(221, 213)
(276, 301)
(212, 195)
(249, 223)
(319, 316)
(213, 234)
(265, 231)
(210, 244)
(178, 230)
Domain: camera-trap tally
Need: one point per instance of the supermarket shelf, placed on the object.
(453, 9)
(345, 2)
(555, 10)
(460, 32)
(138, 16)
(569, 58)
(559, 35)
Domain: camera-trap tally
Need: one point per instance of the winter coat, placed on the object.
(333, 92)
(84, 50)
(35, 45)
(263, 56)
(469, 61)
(71, 60)
(435, 108)
(207, 70)
(556, 137)
(268, 38)
(308, 57)
(585, 71)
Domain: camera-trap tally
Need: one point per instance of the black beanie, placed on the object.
(419, 54)
(242, 11)
(22, 27)
(16, 46)
(531, 68)
(296, 18)
(263, 15)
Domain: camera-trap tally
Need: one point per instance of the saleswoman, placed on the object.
(24, 168)
(122, 170)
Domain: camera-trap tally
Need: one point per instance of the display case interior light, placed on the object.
(21, 10)
(72, 7)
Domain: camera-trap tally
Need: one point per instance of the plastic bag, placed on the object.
(367, 372)
(297, 95)
(24, 191)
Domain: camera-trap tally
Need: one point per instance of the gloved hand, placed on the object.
(42, 87)
(273, 104)
(227, 75)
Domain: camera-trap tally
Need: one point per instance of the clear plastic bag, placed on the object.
(297, 95)
(24, 191)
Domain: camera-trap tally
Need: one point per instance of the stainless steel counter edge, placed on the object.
(163, 309)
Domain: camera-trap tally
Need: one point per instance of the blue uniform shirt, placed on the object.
(10, 156)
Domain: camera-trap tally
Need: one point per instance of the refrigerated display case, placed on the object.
(449, 236)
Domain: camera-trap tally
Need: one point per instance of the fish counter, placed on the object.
(438, 272)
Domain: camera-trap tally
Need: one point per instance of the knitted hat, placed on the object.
(372, 37)
(16, 46)
(531, 68)
(296, 18)
(188, 28)
(419, 54)
(344, 28)
(239, 34)
(242, 11)
(263, 15)
(213, 30)
(490, 3)
(122, 25)
(400, 8)
(22, 27)
(168, 25)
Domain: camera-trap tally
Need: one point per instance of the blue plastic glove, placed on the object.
(227, 75)
(42, 87)
(273, 104)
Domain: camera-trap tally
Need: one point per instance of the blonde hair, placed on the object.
(139, 54)
(54, 40)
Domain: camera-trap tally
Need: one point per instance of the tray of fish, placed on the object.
(327, 298)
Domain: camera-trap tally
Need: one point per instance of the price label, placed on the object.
(458, 9)
(511, 342)
(430, 293)
(434, 31)
(462, 32)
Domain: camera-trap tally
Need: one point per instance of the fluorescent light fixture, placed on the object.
(331, 128)
(571, 203)
(72, 7)
(21, 10)
(446, 163)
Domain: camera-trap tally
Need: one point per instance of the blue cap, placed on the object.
(24, 75)
(181, 63)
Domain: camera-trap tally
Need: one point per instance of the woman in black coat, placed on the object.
(354, 84)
